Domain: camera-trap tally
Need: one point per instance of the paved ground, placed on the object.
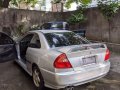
(13, 77)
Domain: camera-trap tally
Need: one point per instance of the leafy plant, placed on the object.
(78, 17)
(108, 8)
(78, 2)
(32, 3)
(19, 30)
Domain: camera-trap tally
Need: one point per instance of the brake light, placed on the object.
(107, 55)
(62, 62)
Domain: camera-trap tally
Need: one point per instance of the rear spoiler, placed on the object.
(87, 46)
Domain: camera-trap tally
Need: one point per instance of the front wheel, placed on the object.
(38, 79)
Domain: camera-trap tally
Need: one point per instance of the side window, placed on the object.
(46, 26)
(35, 42)
(57, 25)
(4, 39)
(24, 43)
(27, 38)
(67, 26)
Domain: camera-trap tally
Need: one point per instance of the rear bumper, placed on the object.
(75, 78)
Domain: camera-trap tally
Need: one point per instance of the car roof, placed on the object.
(57, 22)
(49, 31)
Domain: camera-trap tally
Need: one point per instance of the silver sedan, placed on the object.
(60, 59)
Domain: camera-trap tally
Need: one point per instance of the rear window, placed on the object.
(57, 25)
(59, 39)
(52, 26)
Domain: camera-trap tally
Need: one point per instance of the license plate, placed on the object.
(89, 60)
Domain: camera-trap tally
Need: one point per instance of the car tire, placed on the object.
(37, 78)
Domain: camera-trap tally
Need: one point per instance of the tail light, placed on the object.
(62, 62)
(107, 55)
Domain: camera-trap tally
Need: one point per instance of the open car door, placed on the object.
(7, 48)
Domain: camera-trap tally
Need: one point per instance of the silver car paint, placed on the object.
(61, 78)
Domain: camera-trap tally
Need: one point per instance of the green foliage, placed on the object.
(19, 30)
(15, 2)
(27, 2)
(78, 17)
(79, 2)
(86, 1)
(108, 8)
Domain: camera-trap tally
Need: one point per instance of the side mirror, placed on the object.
(33, 45)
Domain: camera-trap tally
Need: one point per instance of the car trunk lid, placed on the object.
(84, 55)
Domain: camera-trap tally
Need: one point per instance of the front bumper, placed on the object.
(75, 78)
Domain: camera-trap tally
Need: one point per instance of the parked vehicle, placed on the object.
(61, 59)
(55, 26)
(61, 26)
(80, 32)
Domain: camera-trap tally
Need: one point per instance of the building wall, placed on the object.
(12, 19)
(99, 29)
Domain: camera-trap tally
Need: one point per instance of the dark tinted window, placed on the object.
(82, 33)
(57, 26)
(36, 40)
(46, 26)
(27, 38)
(4, 39)
(64, 39)
(67, 26)
(52, 26)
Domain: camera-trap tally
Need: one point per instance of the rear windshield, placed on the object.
(59, 39)
(57, 25)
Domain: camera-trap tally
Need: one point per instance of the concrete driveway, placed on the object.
(13, 77)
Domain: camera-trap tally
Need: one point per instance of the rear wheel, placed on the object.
(37, 78)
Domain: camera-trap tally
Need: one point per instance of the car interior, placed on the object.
(31, 40)
(24, 45)
(35, 42)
